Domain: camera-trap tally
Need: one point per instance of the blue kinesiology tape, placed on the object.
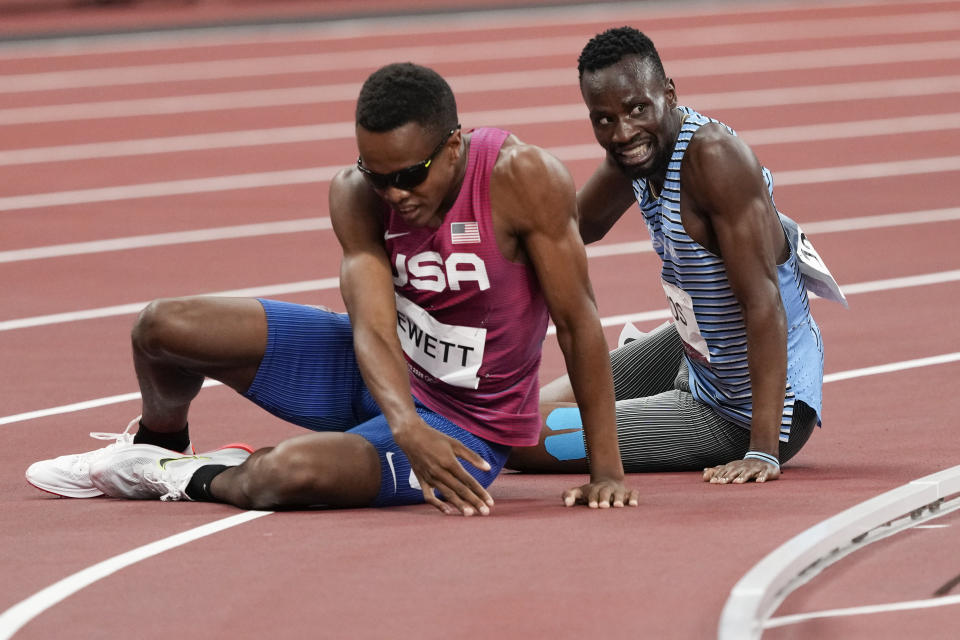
(569, 445)
(564, 418)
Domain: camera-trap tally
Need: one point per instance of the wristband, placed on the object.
(760, 455)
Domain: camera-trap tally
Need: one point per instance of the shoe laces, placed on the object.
(161, 478)
(82, 460)
(121, 438)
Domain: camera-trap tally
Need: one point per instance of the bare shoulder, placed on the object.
(713, 144)
(527, 181)
(353, 204)
(719, 165)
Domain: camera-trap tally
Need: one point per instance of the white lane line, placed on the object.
(932, 526)
(930, 603)
(21, 613)
(473, 83)
(609, 321)
(136, 307)
(314, 224)
(164, 239)
(945, 358)
(317, 175)
(313, 175)
(83, 406)
(346, 130)
(304, 286)
(540, 17)
(531, 49)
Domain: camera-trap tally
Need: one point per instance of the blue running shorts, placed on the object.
(309, 377)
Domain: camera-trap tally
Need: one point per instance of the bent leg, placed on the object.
(179, 342)
(643, 367)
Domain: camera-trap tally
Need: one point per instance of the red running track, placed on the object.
(853, 106)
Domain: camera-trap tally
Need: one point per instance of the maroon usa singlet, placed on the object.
(471, 323)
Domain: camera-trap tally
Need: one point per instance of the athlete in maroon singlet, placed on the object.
(477, 361)
(455, 247)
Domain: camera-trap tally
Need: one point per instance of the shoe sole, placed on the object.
(235, 445)
(79, 493)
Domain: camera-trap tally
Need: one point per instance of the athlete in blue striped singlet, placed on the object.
(732, 386)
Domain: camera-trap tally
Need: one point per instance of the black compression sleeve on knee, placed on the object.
(199, 486)
(177, 441)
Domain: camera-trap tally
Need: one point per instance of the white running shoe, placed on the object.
(69, 475)
(146, 472)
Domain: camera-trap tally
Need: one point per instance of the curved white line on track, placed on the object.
(21, 613)
(908, 605)
(801, 558)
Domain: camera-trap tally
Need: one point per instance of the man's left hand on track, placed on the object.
(740, 471)
(602, 494)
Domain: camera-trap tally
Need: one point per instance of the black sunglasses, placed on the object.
(408, 177)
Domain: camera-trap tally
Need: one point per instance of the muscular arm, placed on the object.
(604, 198)
(366, 283)
(535, 194)
(724, 182)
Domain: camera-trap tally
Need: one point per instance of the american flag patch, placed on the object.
(464, 232)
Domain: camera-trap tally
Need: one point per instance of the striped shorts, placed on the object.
(662, 427)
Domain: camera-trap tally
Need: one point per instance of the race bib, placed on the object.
(681, 308)
(817, 277)
(447, 352)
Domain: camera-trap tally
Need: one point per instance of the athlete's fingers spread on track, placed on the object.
(602, 495)
(741, 471)
(710, 472)
(465, 492)
(461, 489)
(623, 497)
(465, 453)
(573, 496)
(434, 459)
(430, 497)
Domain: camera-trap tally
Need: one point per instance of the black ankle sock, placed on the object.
(176, 441)
(199, 486)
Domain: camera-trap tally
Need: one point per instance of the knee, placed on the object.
(161, 326)
(287, 476)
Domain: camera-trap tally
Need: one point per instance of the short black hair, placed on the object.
(611, 46)
(405, 92)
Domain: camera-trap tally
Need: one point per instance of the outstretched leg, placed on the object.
(332, 469)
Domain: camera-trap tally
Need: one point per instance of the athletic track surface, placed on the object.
(197, 161)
